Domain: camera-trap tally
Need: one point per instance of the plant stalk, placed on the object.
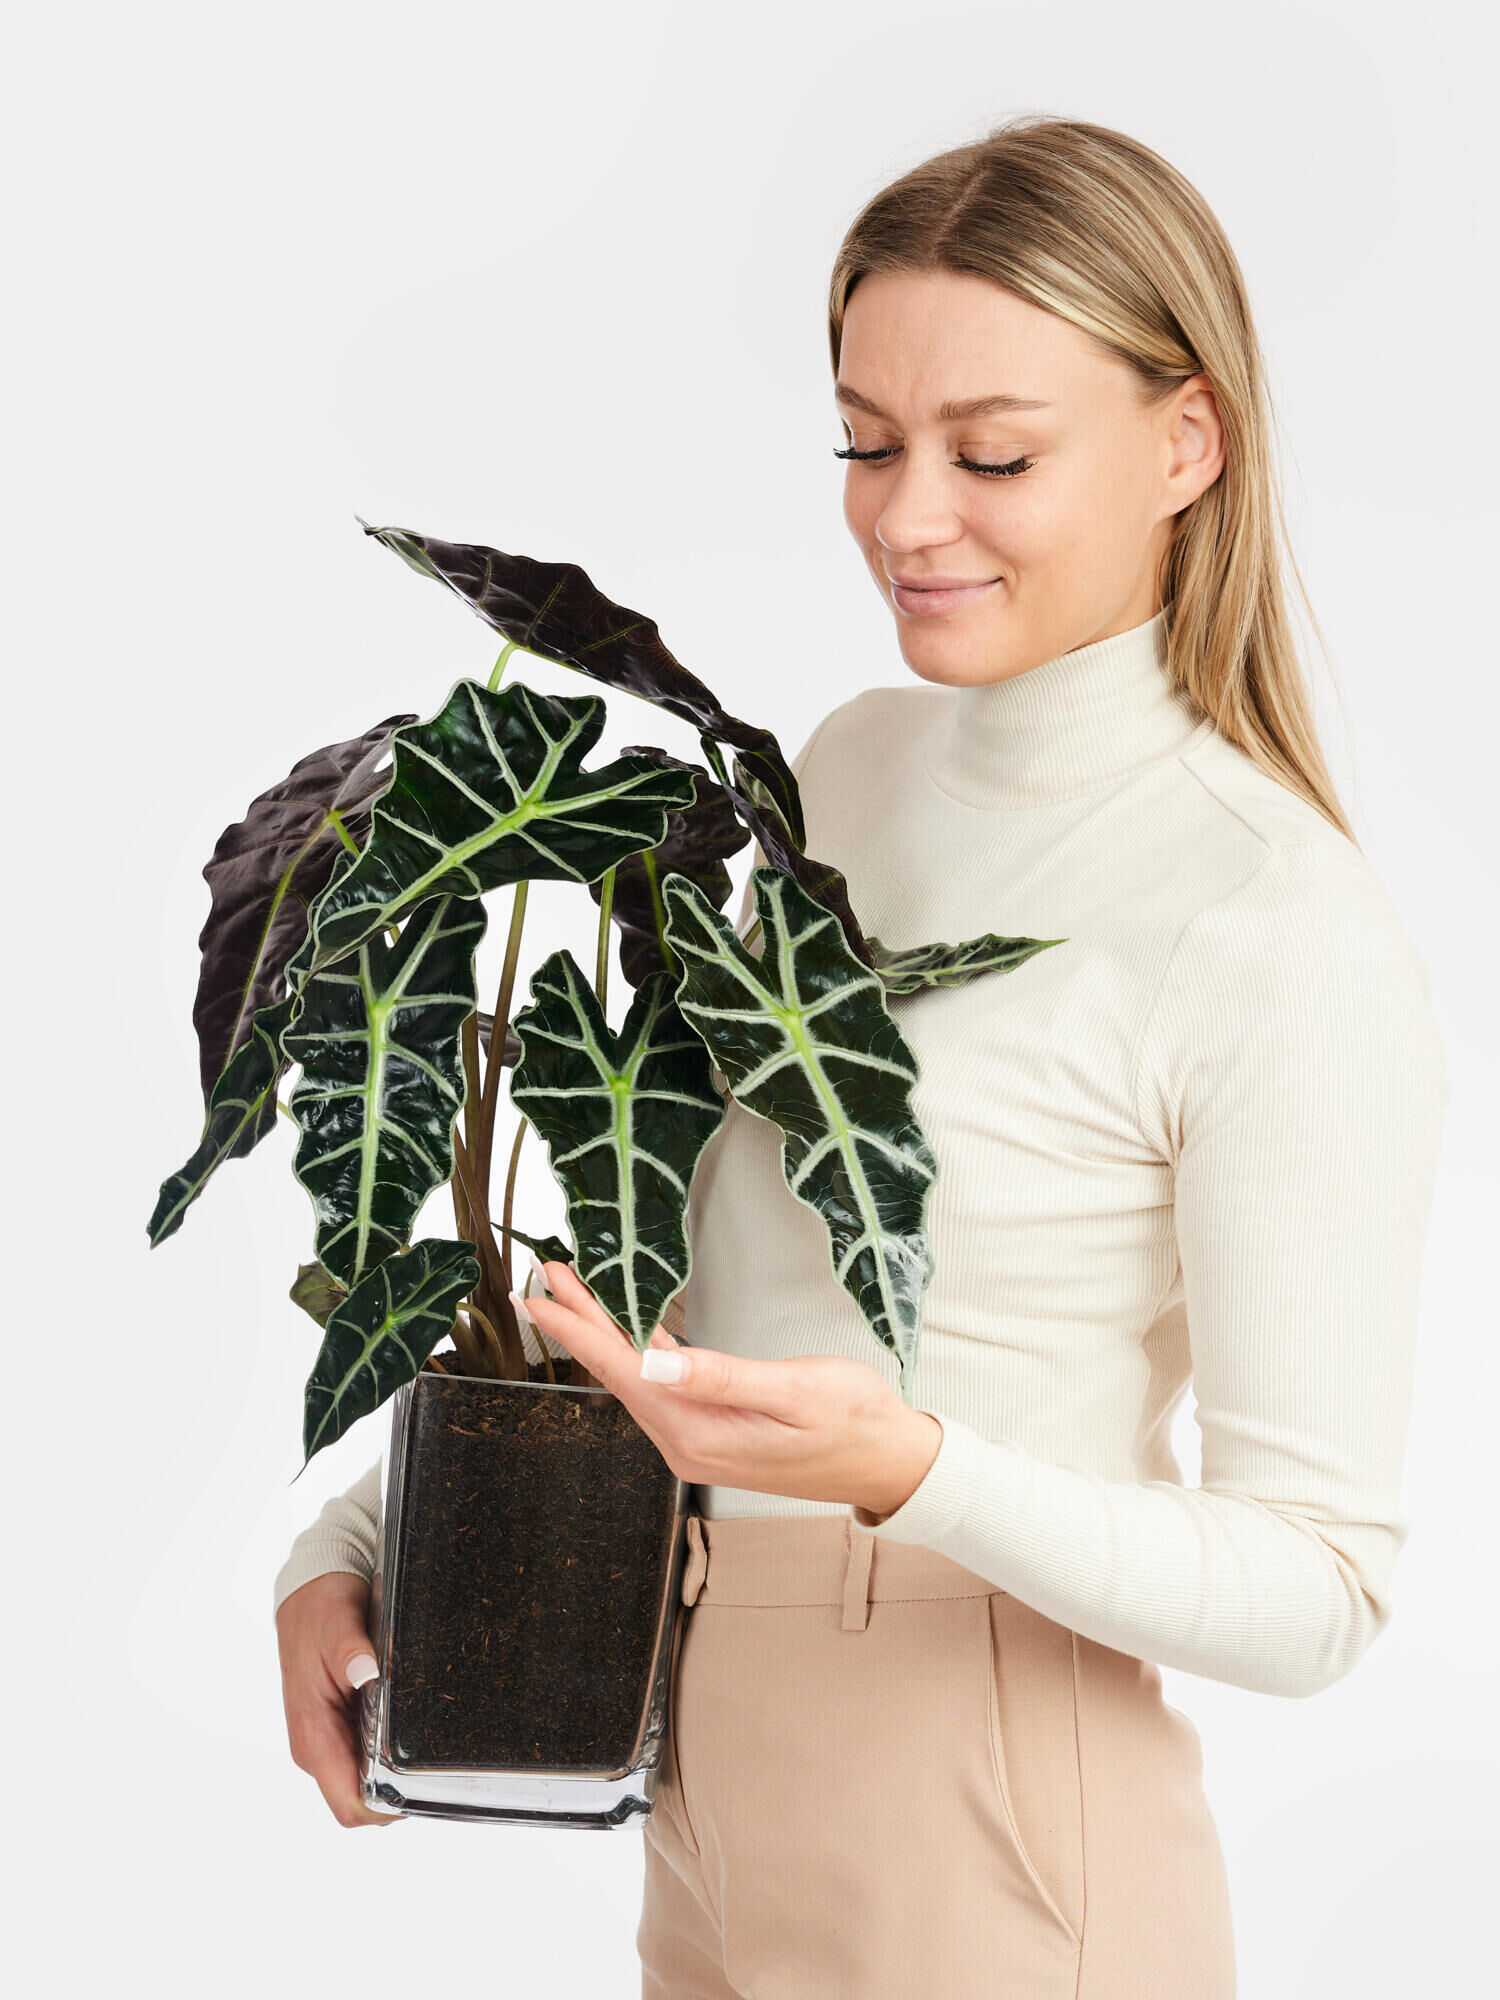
(601, 955)
(484, 1139)
(494, 1272)
(508, 1214)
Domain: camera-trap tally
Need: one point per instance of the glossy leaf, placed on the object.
(241, 1111)
(698, 838)
(804, 1039)
(556, 611)
(488, 792)
(551, 1249)
(382, 1081)
(926, 965)
(265, 871)
(379, 1336)
(624, 1119)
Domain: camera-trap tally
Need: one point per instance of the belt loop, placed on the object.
(696, 1567)
(857, 1577)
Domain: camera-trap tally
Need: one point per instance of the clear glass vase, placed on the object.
(527, 1585)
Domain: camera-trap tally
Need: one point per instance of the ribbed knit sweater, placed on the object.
(1195, 1142)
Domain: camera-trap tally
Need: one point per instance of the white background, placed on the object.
(554, 277)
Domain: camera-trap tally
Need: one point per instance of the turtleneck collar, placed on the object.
(1076, 723)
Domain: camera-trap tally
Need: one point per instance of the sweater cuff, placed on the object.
(310, 1559)
(939, 1500)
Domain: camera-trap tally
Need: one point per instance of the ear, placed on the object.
(1194, 443)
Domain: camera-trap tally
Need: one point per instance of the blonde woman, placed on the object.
(918, 1742)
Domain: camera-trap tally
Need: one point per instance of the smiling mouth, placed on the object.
(929, 600)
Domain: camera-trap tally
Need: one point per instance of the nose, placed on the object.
(919, 512)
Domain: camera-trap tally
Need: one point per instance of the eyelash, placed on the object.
(1015, 466)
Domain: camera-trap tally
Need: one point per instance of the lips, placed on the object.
(935, 596)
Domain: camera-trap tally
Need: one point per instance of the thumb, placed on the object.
(347, 1651)
(361, 1666)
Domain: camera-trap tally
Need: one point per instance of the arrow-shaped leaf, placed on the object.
(804, 1038)
(382, 1080)
(264, 872)
(556, 610)
(624, 1119)
(241, 1111)
(925, 965)
(490, 791)
(379, 1336)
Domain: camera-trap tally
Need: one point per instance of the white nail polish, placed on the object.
(522, 1312)
(660, 1364)
(361, 1668)
(538, 1273)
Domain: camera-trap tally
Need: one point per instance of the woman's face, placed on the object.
(1061, 548)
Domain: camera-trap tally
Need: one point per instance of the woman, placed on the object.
(918, 1738)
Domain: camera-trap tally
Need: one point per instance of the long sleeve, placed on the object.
(1290, 1071)
(342, 1537)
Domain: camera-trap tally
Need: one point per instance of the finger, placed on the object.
(600, 1349)
(776, 1388)
(568, 1289)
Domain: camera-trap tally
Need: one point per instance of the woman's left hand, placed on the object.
(815, 1428)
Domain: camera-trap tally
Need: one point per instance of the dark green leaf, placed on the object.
(624, 1119)
(927, 965)
(698, 838)
(317, 1291)
(382, 1080)
(241, 1111)
(804, 1038)
(264, 872)
(380, 1335)
(556, 611)
(551, 1249)
(488, 792)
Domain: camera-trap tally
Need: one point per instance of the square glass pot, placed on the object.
(526, 1589)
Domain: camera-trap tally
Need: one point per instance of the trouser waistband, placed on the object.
(815, 1559)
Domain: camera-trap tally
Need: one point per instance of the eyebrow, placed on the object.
(976, 406)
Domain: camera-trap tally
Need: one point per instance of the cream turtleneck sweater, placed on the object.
(1197, 1141)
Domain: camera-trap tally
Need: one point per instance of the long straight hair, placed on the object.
(1093, 226)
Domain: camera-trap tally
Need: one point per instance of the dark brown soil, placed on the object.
(535, 1535)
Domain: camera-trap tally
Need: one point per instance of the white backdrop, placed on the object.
(553, 277)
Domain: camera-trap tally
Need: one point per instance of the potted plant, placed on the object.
(527, 1576)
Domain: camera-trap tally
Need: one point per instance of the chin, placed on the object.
(956, 657)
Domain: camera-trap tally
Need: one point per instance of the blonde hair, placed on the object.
(1095, 227)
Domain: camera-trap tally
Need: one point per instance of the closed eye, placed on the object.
(965, 464)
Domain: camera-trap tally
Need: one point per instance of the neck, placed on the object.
(1077, 723)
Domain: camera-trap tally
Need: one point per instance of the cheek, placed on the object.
(1019, 524)
(860, 513)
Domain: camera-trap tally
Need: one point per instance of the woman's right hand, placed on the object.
(321, 1630)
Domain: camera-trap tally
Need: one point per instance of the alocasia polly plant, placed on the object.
(347, 910)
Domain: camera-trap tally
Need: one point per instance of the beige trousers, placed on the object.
(886, 1780)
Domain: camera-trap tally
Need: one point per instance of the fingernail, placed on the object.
(539, 1274)
(361, 1668)
(522, 1311)
(660, 1364)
